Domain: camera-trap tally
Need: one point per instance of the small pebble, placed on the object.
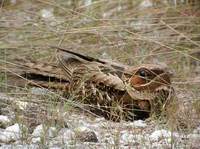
(85, 134)
(162, 134)
(139, 123)
(4, 121)
(40, 130)
(66, 136)
(127, 138)
(12, 133)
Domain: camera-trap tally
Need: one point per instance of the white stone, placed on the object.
(139, 123)
(12, 133)
(52, 132)
(19, 146)
(194, 136)
(131, 138)
(36, 140)
(37, 132)
(162, 134)
(66, 135)
(127, 138)
(4, 119)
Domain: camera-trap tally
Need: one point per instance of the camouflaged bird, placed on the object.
(114, 90)
(109, 89)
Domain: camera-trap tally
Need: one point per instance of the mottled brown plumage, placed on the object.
(114, 90)
(110, 89)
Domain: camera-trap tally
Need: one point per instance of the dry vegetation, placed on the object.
(132, 32)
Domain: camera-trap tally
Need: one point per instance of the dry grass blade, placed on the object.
(130, 32)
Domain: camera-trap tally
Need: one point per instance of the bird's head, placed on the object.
(150, 77)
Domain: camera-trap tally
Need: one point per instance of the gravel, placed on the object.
(86, 131)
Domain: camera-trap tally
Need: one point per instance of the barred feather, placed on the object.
(107, 85)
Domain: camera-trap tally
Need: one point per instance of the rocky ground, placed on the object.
(82, 130)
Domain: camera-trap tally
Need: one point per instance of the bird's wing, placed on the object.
(96, 70)
(36, 73)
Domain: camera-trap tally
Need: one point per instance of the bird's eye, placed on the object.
(142, 73)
